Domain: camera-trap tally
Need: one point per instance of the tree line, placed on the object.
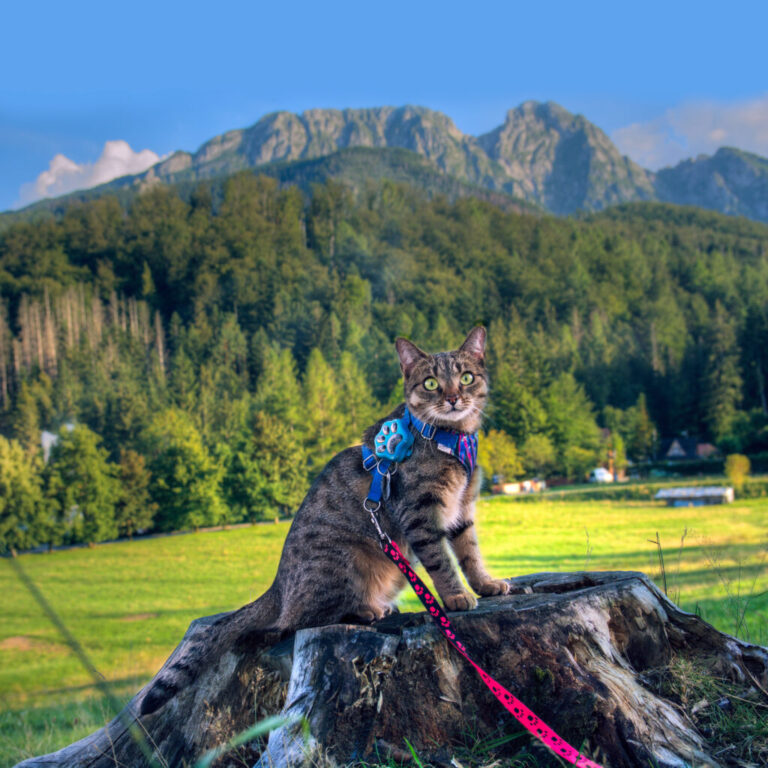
(197, 362)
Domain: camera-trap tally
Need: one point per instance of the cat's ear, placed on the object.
(409, 354)
(474, 344)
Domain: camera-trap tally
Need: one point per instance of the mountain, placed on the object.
(283, 136)
(541, 155)
(562, 161)
(730, 181)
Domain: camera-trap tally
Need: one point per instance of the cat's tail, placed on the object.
(205, 640)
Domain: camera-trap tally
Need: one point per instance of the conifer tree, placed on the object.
(572, 423)
(26, 418)
(722, 379)
(278, 392)
(323, 427)
(134, 511)
(642, 431)
(360, 408)
(265, 472)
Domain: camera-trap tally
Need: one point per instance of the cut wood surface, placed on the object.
(588, 652)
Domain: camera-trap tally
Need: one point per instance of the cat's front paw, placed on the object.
(493, 587)
(463, 601)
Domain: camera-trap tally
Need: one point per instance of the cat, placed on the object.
(332, 568)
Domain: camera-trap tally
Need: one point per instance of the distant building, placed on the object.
(695, 496)
(683, 448)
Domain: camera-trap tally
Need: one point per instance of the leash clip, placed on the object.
(375, 520)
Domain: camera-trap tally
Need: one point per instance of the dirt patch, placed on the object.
(18, 643)
(24, 643)
(138, 616)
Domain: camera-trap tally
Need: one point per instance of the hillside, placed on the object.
(215, 353)
(542, 154)
(355, 167)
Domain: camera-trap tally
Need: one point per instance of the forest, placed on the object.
(196, 362)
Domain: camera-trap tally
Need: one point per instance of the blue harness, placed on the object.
(394, 443)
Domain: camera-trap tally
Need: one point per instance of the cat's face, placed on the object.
(448, 389)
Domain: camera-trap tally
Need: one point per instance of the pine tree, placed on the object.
(360, 408)
(573, 428)
(134, 511)
(722, 380)
(323, 426)
(265, 472)
(641, 433)
(26, 418)
(278, 392)
(515, 409)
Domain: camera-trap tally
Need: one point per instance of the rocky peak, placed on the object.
(563, 161)
(731, 181)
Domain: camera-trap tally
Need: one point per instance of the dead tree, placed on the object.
(594, 654)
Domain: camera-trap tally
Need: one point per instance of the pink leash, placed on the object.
(513, 705)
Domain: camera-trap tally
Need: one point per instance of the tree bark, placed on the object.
(588, 652)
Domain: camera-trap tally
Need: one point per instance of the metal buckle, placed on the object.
(370, 510)
(427, 426)
(369, 462)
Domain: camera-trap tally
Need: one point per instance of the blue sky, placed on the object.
(665, 80)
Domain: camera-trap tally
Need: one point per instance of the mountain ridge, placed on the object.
(542, 155)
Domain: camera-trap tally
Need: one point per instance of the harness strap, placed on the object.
(513, 705)
(381, 474)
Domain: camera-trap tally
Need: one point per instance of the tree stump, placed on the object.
(594, 654)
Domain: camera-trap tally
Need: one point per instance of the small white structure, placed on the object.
(49, 439)
(600, 475)
(695, 496)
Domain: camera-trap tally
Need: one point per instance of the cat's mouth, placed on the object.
(451, 416)
(452, 412)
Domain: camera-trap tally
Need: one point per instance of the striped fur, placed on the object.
(332, 568)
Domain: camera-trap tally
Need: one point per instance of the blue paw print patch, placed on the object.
(394, 441)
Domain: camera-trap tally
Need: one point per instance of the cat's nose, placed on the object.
(452, 399)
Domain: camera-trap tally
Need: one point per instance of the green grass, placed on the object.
(129, 603)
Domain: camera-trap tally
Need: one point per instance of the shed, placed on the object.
(695, 496)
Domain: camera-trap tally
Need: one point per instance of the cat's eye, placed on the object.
(467, 378)
(430, 383)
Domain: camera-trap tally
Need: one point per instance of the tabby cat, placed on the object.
(332, 568)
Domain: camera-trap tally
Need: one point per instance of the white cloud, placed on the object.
(64, 175)
(695, 128)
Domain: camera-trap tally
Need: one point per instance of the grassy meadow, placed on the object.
(129, 603)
